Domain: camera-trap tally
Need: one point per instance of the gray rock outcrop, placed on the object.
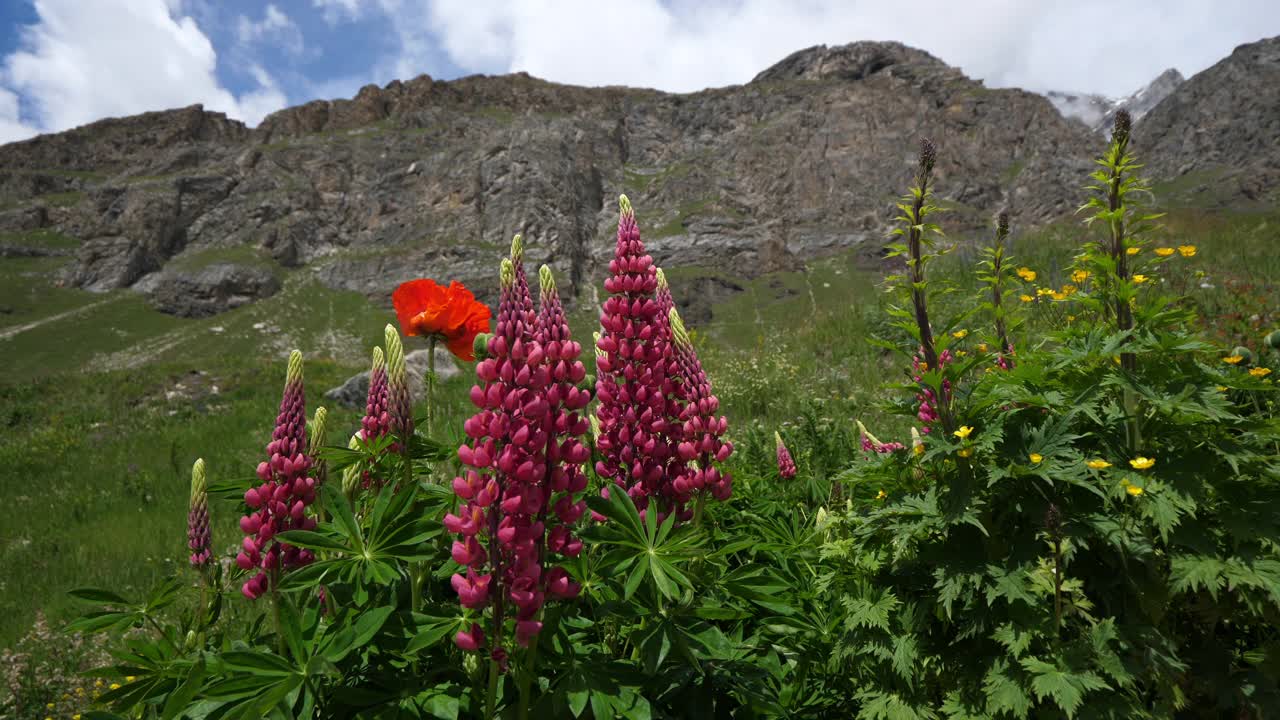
(209, 290)
(355, 391)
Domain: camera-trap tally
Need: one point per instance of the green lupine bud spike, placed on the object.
(678, 331)
(546, 280)
(777, 439)
(862, 429)
(1002, 223)
(351, 475)
(319, 434)
(294, 374)
(198, 483)
(595, 426)
(318, 429)
(624, 206)
(395, 356)
(662, 280)
(507, 273)
(379, 359)
(517, 249)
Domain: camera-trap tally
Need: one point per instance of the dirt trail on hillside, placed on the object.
(7, 333)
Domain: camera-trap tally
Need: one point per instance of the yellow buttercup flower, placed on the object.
(1036, 458)
(881, 495)
(1132, 251)
(1223, 388)
(115, 686)
(1044, 291)
(965, 452)
(918, 449)
(1027, 274)
(1098, 464)
(1059, 296)
(1079, 276)
(982, 347)
(1164, 252)
(963, 432)
(1233, 359)
(1133, 490)
(1142, 463)
(1139, 279)
(961, 353)
(959, 334)
(1259, 372)
(1187, 250)
(1071, 318)
(130, 678)
(1026, 298)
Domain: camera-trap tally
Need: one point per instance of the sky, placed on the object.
(64, 63)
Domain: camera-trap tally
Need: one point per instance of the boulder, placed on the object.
(355, 390)
(210, 290)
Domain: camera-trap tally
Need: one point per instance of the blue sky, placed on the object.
(64, 63)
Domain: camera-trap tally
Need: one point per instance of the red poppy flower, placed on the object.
(452, 315)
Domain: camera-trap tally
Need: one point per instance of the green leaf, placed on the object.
(182, 697)
(312, 540)
(97, 595)
(430, 632)
(257, 662)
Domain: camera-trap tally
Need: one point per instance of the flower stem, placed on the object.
(526, 679)
(491, 699)
(431, 380)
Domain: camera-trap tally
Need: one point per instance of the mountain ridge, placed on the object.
(431, 177)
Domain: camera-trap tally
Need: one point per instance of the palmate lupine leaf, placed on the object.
(876, 705)
(1004, 691)
(1066, 689)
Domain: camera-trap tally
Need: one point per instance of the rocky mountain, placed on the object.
(432, 178)
(1099, 111)
(1216, 140)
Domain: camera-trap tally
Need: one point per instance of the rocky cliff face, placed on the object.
(1217, 138)
(429, 178)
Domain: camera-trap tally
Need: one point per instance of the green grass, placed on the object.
(43, 238)
(27, 293)
(238, 254)
(62, 199)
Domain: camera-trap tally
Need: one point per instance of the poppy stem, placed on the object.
(431, 380)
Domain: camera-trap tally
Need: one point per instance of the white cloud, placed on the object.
(335, 11)
(1090, 45)
(83, 61)
(275, 27)
(11, 127)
